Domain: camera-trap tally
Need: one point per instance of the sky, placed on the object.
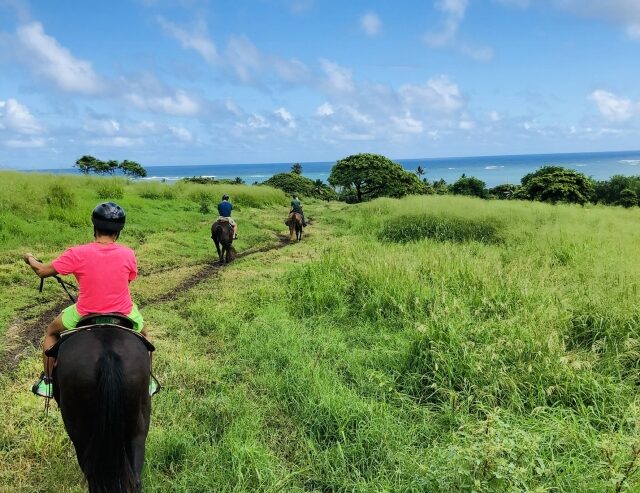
(248, 81)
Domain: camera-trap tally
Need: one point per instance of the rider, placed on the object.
(224, 209)
(103, 270)
(296, 206)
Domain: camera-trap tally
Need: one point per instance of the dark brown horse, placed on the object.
(101, 384)
(295, 224)
(222, 236)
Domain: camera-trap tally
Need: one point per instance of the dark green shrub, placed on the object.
(469, 185)
(110, 189)
(59, 196)
(628, 198)
(409, 228)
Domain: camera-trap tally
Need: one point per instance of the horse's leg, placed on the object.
(217, 243)
(291, 228)
(138, 443)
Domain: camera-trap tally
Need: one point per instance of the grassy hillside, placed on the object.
(425, 344)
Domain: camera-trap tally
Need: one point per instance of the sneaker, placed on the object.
(154, 386)
(43, 387)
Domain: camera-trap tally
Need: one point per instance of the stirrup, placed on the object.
(43, 387)
(154, 386)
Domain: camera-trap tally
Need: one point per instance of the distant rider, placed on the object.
(296, 207)
(103, 270)
(224, 209)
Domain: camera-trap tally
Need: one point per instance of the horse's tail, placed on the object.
(106, 460)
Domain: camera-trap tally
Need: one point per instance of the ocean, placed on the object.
(493, 170)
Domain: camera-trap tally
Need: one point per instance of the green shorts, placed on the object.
(71, 317)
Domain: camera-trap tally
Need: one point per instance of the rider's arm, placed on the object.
(43, 270)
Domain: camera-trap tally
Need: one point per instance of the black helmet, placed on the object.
(108, 217)
(225, 197)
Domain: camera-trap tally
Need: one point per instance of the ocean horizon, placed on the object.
(493, 170)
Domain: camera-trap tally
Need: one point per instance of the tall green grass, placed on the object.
(355, 362)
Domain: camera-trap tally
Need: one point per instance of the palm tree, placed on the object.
(296, 168)
(419, 171)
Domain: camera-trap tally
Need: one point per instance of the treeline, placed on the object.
(553, 184)
(364, 177)
(89, 164)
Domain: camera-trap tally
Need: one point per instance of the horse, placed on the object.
(295, 224)
(101, 385)
(222, 235)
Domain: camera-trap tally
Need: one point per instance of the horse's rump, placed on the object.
(101, 384)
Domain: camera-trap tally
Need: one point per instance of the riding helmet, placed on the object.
(225, 197)
(108, 216)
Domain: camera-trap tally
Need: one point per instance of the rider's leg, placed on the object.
(235, 231)
(304, 221)
(51, 336)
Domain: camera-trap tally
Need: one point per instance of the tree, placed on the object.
(87, 164)
(296, 168)
(469, 185)
(608, 192)
(294, 184)
(440, 187)
(503, 192)
(111, 166)
(133, 169)
(372, 175)
(419, 171)
(238, 181)
(557, 184)
(628, 198)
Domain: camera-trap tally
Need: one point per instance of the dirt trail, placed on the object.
(23, 334)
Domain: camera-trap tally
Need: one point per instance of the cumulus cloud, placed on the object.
(181, 133)
(193, 38)
(178, 104)
(454, 11)
(325, 109)
(338, 79)
(17, 118)
(407, 124)
(447, 35)
(612, 107)
(622, 12)
(438, 95)
(370, 23)
(55, 62)
(32, 142)
(286, 117)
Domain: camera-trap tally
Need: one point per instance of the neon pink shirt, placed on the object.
(103, 273)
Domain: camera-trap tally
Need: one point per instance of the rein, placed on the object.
(73, 300)
(62, 283)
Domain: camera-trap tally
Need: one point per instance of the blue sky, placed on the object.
(206, 82)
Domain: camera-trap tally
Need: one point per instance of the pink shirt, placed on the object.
(103, 273)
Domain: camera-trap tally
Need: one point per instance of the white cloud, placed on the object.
(291, 70)
(325, 109)
(32, 142)
(407, 124)
(357, 116)
(17, 118)
(454, 11)
(447, 35)
(370, 23)
(439, 94)
(494, 116)
(338, 78)
(244, 58)
(181, 133)
(105, 126)
(623, 12)
(117, 142)
(194, 38)
(178, 104)
(612, 107)
(286, 117)
(48, 58)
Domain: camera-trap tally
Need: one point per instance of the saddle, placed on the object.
(222, 220)
(92, 321)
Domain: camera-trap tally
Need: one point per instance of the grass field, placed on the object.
(429, 344)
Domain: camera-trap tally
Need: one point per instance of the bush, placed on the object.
(59, 196)
(110, 189)
(410, 228)
(204, 200)
(156, 191)
(628, 198)
(556, 184)
(469, 185)
(295, 184)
